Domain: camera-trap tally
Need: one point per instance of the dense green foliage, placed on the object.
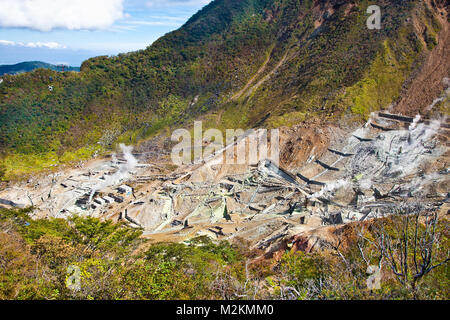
(244, 63)
(30, 66)
(37, 258)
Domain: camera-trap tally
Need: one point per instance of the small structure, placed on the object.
(118, 199)
(125, 189)
(1, 80)
(82, 203)
(100, 201)
(50, 88)
(108, 199)
(175, 223)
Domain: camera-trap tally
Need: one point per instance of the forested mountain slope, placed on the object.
(236, 63)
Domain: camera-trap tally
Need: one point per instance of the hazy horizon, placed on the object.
(68, 33)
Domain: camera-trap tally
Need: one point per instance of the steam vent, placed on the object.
(258, 150)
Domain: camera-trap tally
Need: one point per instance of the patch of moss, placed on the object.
(382, 84)
(288, 119)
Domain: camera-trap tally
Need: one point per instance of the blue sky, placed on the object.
(70, 31)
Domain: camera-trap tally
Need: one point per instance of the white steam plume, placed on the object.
(329, 187)
(122, 174)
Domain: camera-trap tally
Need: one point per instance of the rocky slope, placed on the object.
(334, 168)
(390, 165)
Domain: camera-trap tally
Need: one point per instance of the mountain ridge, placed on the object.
(28, 66)
(320, 61)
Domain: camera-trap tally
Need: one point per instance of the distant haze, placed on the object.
(72, 31)
(13, 55)
(30, 66)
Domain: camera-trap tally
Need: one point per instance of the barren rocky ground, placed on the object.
(328, 177)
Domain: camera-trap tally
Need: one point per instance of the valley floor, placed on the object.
(356, 176)
(249, 231)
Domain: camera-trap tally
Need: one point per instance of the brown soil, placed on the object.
(428, 84)
(297, 143)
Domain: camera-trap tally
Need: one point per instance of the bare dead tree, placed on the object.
(379, 245)
(288, 293)
(29, 198)
(336, 248)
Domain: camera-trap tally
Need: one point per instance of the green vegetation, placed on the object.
(341, 271)
(381, 86)
(37, 259)
(275, 50)
(35, 256)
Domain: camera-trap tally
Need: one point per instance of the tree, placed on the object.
(409, 244)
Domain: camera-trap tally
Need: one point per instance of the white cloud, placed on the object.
(45, 15)
(48, 45)
(7, 43)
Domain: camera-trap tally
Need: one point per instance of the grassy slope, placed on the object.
(338, 68)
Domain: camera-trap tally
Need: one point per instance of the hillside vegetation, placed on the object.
(38, 259)
(238, 63)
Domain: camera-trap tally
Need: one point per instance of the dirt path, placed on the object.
(267, 77)
(248, 89)
(257, 74)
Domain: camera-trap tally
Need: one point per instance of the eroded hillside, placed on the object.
(363, 169)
